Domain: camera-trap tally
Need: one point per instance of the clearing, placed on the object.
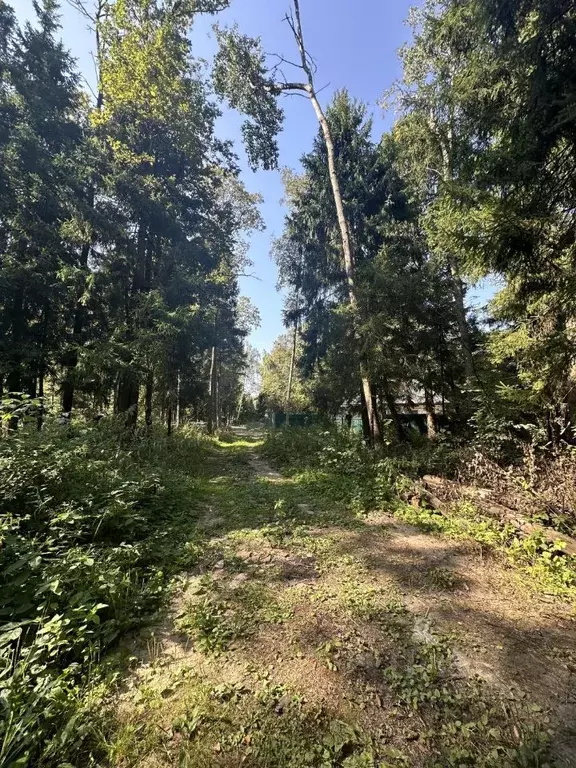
(312, 636)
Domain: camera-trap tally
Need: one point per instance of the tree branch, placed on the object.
(79, 5)
(282, 60)
(280, 87)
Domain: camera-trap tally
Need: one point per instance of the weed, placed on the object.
(260, 724)
(221, 614)
(90, 538)
(444, 578)
(329, 652)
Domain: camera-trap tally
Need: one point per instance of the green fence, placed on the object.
(278, 419)
(355, 423)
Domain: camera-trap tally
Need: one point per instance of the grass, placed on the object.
(342, 468)
(540, 565)
(283, 642)
(292, 651)
(93, 528)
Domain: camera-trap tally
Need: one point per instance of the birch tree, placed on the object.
(242, 77)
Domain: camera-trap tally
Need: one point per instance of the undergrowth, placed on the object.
(366, 480)
(398, 672)
(92, 527)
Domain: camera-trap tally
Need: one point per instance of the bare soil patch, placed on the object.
(338, 630)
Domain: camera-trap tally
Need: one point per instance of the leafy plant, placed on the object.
(83, 558)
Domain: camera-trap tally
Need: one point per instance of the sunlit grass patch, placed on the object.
(254, 722)
(542, 565)
(303, 655)
(225, 610)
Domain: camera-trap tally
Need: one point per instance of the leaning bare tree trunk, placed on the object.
(291, 374)
(347, 250)
(373, 416)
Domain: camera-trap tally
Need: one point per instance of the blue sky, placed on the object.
(355, 44)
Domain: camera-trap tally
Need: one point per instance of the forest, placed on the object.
(386, 581)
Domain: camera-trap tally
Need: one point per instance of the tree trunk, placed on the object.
(169, 417)
(148, 399)
(372, 410)
(365, 419)
(67, 388)
(14, 377)
(291, 373)
(178, 400)
(211, 416)
(445, 142)
(349, 266)
(463, 328)
(430, 413)
(217, 395)
(347, 250)
(71, 356)
(42, 367)
(40, 417)
(70, 360)
(129, 385)
(127, 398)
(395, 416)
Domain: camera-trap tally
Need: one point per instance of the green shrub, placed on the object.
(338, 460)
(91, 524)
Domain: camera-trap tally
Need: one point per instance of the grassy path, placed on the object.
(307, 636)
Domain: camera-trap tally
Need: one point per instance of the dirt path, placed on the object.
(308, 637)
(523, 644)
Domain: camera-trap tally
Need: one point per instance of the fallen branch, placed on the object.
(481, 497)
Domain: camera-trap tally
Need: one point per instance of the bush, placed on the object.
(85, 523)
(339, 460)
(355, 474)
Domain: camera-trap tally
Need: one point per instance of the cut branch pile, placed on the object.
(439, 493)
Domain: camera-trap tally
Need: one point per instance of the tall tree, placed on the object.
(435, 137)
(41, 143)
(509, 209)
(276, 367)
(241, 76)
(407, 317)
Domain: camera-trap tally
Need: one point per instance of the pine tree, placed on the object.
(41, 141)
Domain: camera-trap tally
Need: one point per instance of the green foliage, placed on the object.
(343, 469)
(220, 614)
(122, 221)
(275, 373)
(342, 621)
(240, 76)
(262, 723)
(404, 318)
(337, 461)
(90, 536)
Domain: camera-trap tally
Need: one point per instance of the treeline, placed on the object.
(121, 221)
(477, 179)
